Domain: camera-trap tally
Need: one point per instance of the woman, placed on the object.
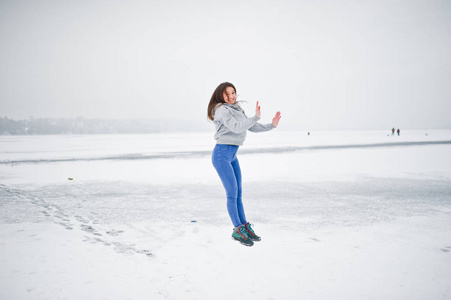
(231, 125)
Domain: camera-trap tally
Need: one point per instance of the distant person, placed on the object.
(398, 131)
(393, 131)
(231, 126)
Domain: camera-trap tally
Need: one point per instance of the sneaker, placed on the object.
(240, 234)
(251, 233)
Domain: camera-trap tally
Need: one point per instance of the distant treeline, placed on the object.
(88, 126)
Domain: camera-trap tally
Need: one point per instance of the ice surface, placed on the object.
(336, 223)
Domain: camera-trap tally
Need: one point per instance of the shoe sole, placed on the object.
(248, 245)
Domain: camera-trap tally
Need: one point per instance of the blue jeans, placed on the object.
(226, 164)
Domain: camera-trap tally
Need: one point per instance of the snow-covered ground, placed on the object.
(342, 215)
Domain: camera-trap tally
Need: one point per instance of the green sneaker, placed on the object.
(251, 233)
(240, 234)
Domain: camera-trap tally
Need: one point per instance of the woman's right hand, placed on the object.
(258, 113)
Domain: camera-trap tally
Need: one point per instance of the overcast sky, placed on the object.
(324, 64)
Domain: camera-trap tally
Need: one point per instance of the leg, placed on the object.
(239, 202)
(250, 232)
(221, 159)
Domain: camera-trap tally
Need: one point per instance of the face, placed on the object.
(229, 95)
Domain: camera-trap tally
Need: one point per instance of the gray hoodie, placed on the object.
(232, 123)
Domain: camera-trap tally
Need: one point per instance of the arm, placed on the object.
(226, 118)
(261, 128)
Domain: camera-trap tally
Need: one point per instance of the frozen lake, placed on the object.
(342, 215)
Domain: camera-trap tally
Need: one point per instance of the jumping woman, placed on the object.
(231, 125)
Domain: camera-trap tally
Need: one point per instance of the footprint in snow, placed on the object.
(119, 247)
(89, 229)
(114, 232)
(67, 226)
(62, 218)
(81, 219)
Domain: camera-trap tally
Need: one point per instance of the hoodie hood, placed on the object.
(232, 106)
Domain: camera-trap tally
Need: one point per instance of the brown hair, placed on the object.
(217, 98)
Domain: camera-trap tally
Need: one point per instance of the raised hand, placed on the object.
(258, 113)
(276, 119)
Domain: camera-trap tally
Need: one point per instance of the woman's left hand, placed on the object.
(275, 120)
